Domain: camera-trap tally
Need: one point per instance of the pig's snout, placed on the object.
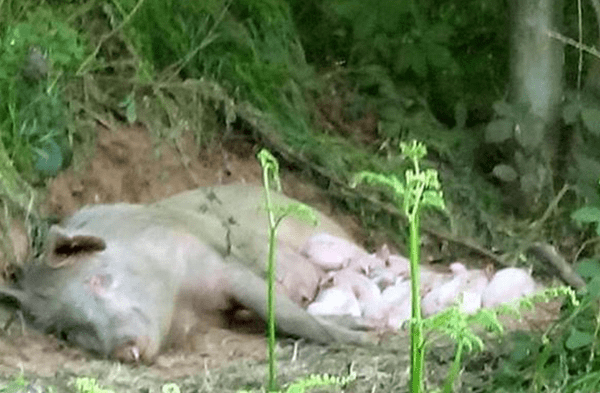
(138, 350)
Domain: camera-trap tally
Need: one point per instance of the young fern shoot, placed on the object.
(421, 188)
(276, 214)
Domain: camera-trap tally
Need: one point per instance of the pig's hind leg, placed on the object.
(250, 291)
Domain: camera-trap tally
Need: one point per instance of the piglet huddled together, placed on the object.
(376, 286)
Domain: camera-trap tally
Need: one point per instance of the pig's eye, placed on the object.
(83, 336)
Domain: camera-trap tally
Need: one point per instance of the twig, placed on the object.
(295, 352)
(186, 163)
(548, 253)
(569, 41)
(584, 245)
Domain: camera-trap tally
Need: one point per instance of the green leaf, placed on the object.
(593, 287)
(131, 113)
(586, 214)
(434, 199)
(411, 56)
(588, 268)
(571, 112)
(49, 158)
(129, 104)
(578, 339)
(523, 348)
(298, 210)
(530, 132)
(170, 388)
(419, 64)
(439, 33)
(591, 119)
(439, 56)
(499, 130)
(503, 109)
(505, 173)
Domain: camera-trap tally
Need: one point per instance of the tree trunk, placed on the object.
(536, 93)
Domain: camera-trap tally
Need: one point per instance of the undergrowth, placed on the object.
(36, 53)
(244, 68)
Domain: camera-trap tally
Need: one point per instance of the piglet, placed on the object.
(364, 263)
(382, 277)
(367, 293)
(296, 276)
(397, 264)
(397, 302)
(445, 295)
(431, 280)
(330, 252)
(335, 301)
(507, 285)
(396, 293)
(394, 307)
(472, 291)
(398, 313)
(470, 302)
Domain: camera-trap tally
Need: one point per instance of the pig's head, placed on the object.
(78, 293)
(363, 262)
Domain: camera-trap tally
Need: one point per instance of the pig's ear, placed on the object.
(383, 253)
(327, 281)
(62, 247)
(13, 295)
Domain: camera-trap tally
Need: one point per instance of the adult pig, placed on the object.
(113, 276)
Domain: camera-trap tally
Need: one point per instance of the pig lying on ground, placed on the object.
(114, 276)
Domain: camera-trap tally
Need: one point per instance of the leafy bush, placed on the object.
(34, 54)
(455, 52)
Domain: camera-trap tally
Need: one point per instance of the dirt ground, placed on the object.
(130, 166)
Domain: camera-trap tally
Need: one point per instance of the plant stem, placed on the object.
(272, 385)
(271, 312)
(455, 369)
(416, 325)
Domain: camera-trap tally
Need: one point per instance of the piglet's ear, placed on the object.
(383, 253)
(63, 248)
